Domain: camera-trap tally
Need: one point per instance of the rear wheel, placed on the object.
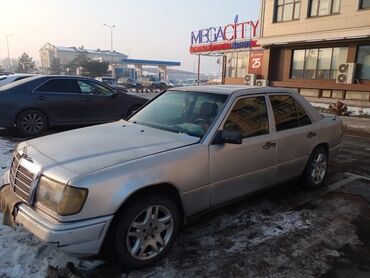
(316, 169)
(31, 123)
(145, 230)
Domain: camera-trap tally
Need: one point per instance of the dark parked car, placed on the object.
(35, 103)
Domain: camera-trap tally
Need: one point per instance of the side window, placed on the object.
(249, 117)
(85, 88)
(59, 86)
(288, 114)
(89, 87)
(303, 118)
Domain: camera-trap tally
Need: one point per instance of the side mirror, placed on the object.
(224, 136)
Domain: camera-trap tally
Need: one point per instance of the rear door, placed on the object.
(294, 134)
(101, 104)
(60, 99)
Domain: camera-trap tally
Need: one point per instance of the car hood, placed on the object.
(66, 155)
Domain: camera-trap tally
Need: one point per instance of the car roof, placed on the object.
(67, 76)
(20, 74)
(231, 89)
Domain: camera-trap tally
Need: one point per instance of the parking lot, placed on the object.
(285, 232)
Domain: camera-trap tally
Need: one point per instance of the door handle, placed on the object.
(311, 134)
(41, 98)
(269, 145)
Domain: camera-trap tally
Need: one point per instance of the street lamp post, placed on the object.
(111, 35)
(7, 44)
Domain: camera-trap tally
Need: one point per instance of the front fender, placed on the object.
(186, 168)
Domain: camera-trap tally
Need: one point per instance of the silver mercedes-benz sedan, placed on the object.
(129, 185)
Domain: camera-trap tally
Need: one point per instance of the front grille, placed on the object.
(21, 179)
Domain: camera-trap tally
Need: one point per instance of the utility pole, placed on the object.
(7, 45)
(111, 35)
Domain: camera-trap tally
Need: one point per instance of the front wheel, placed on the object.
(145, 230)
(316, 169)
(31, 123)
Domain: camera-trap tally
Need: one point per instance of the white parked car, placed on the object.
(131, 184)
(6, 79)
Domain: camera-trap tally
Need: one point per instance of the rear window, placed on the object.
(17, 83)
(288, 113)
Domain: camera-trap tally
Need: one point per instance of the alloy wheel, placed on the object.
(150, 232)
(32, 123)
(319, 165)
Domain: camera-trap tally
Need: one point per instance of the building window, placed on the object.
(317, 63)
(363, 62)
(237, 64)
(364, 4)
(286, 10)
(324, 7)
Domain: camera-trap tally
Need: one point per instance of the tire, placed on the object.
(314, 175)
(31, 123)
(138, 240)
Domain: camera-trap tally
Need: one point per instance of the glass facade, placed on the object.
(231, 60)
(237, 64)
(317, 63)
(363, 62)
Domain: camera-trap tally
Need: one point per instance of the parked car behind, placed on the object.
(112, 82)
(6, 79)
(129, 83)
(129, 185)
(35, 103)
(152, 83)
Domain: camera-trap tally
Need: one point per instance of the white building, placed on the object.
(66, 54)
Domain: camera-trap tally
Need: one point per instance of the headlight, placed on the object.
(60, 198)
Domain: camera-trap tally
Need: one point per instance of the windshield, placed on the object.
(190, 113)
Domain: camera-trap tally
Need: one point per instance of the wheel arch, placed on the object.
(161, 188)
(324, 145)
(167, 189)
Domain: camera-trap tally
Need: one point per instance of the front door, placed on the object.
(236, 170)
(100, 102)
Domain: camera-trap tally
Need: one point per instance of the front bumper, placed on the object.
(4, 180)
(82, 238)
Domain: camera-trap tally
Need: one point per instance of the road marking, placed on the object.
(341, 183)
(358, 176)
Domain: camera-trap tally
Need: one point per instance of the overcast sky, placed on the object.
(146, 29)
